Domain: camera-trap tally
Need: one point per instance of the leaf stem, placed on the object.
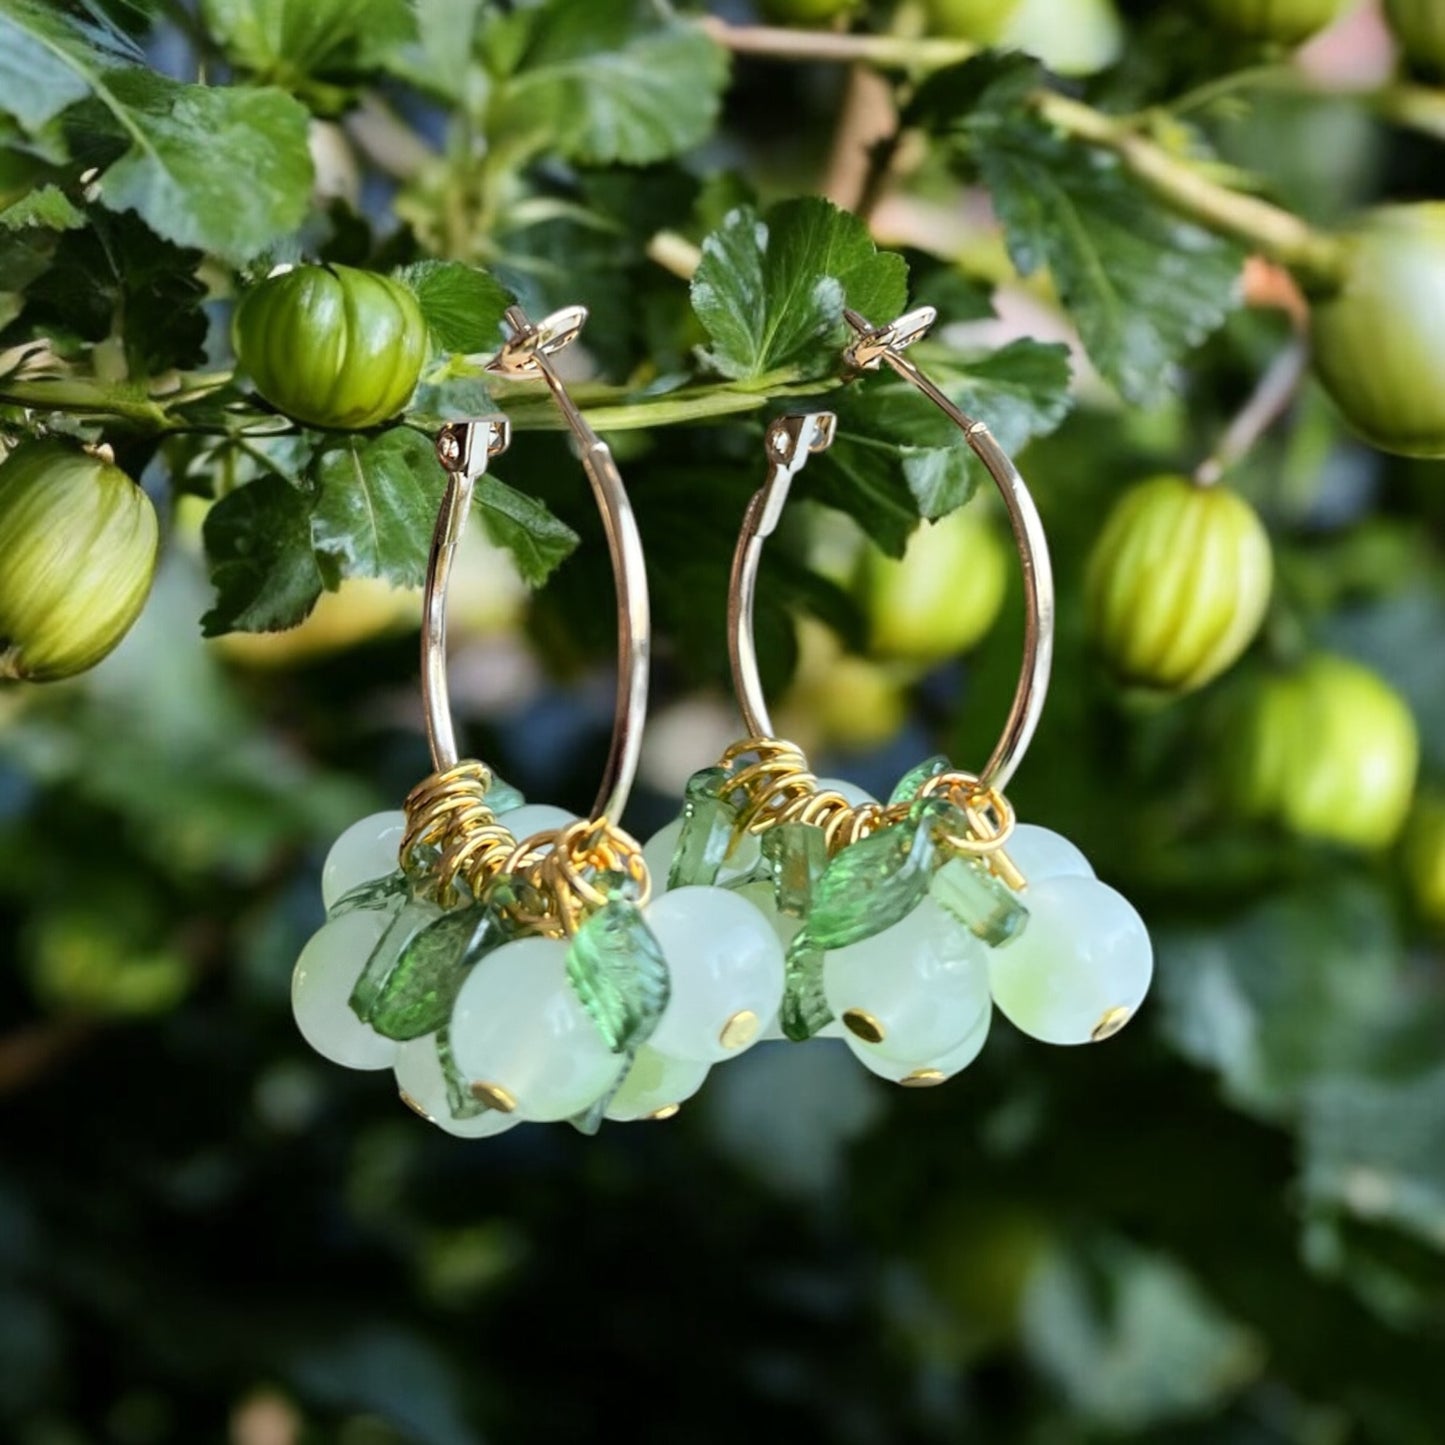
(1272, 230)
(1276, 390)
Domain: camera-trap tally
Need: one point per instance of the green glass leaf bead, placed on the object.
(590, 1120)
(377, 894)
(503, 797)
(410, 919)
(874, 883)
(984, 903)
(915, 778)
(460, 1099)
(708, 820)
(617, 970)
(796, 855)
(416, 997)
(805, 1012)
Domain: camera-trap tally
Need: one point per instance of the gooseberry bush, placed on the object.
(1189, 265)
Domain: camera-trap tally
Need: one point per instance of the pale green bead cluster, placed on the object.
(485, 1025)
(902, 942)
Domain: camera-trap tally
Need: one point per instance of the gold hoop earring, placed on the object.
(907, 921)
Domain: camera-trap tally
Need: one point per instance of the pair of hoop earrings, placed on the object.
(511, 962)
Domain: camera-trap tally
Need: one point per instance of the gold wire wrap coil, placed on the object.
(777, 786)
(540, 882)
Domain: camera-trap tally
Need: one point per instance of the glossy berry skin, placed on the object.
(942, 596)
(1330, 751)
(1379, 339)
(331, 345)
(1419, 26)
(1285, 21)
(979, 20)
(78, 541)
(1424, 858)
(1177, 584)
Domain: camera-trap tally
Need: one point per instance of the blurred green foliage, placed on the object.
(1227, 1226)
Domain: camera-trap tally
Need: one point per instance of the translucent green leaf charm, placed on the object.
(989, 908)
(390, 892)
(805, 1009)
(416, 997)
(797, 856)
(874, 883)
(408, 922)
(460, 1099)
(503, 797)
(589, 1121)
(914, 778)
(707, 829)
(618, 971)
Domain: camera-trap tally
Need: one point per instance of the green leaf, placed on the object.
(603, 83)
(770, 292)
(872, 884)
(805, 1011)
(48, 206)
(288, 40)
(418, 992)
(258, 546)
(618, 971)
(51, 58)
(538, 540)
(374, 896)
(1143, 286)
(1283, 994)
(1131, 1338)
(1375, 1149)
(896, 457)
(225, 170)
(463, 305)
(377, 505)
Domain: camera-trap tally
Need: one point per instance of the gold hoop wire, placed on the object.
(792, 439)
(465, 449)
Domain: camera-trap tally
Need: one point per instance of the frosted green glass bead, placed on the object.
(1040, 853)
(519, 1034)
(321, 986)
(1079, 970)
(921, 1073)
(367, 849)
(655, 1085)
(533, 818)
(659, 851)
(984, 904)
(915, 990)
(726, 968)
(423, 1087)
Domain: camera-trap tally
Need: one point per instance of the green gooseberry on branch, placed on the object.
(1177, 583)
(78, 541)
(1379, 337)
(331, 345)
(1328, 750)
(1285, 21)
(1419, 26)
(942, 596)
(979, 20)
